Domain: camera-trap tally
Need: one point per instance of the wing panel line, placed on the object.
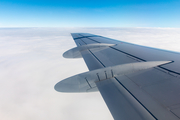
(128, 54)
(95, 56)
(91, 39)
(85, 37)
(134, 97)
(174, 114)
(94, 40)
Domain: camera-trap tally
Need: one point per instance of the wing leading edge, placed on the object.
(151, 93)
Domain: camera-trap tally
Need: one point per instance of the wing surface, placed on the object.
(152, 94)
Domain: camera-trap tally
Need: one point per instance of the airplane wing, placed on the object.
(136, 82)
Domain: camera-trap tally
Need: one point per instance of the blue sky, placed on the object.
(90, 13)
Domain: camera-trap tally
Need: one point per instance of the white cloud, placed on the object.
(31, 63)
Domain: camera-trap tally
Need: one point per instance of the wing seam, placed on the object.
(97, 59)
(134, 97)
(94, 56)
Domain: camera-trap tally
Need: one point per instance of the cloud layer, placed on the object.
(31, 63)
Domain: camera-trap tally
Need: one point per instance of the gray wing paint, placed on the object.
(152, 94)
